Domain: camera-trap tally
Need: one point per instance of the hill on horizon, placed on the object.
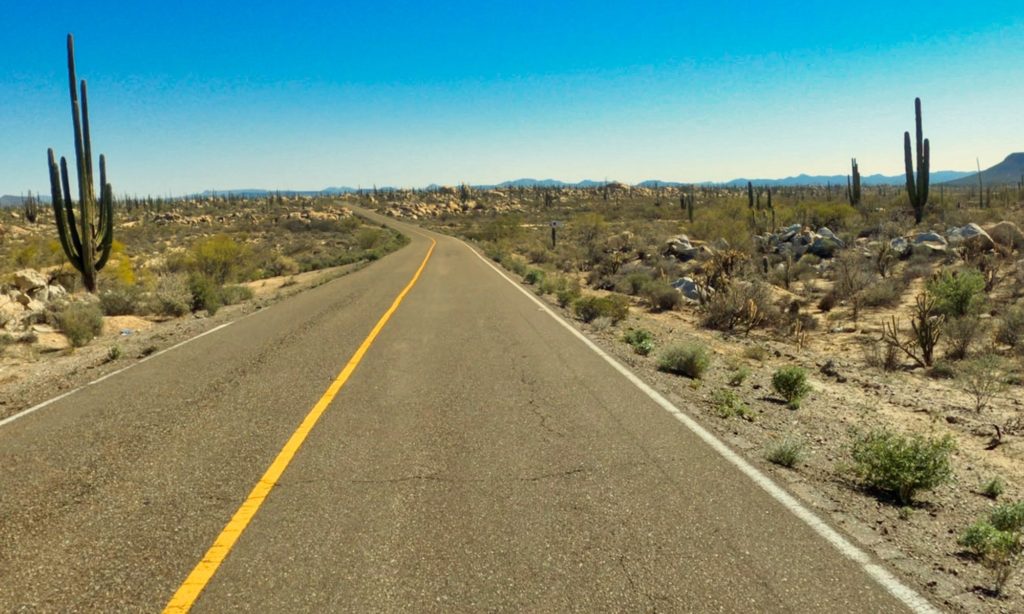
(1009, 171)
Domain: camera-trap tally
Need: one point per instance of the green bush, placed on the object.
(788, 452)
(993, 488)
(80, 322)
(738, 375)
(902, 465)
(687, 359)
(661, 296)
(172, 296)
(1008, 517)
(634, 283)
(641, 340)
(740, 305)
(614, 306)
(999, 550)
(232, 295)
(729, 404)
(219, 258)
(791, 384)
(1011, 327)
(206, 293)
(958, 293)
(533, 276)
(121, 300)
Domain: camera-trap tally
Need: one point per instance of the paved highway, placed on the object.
(473, 455)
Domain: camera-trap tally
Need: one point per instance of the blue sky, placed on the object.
(187, 96)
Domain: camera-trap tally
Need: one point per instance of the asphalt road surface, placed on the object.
(480, 457)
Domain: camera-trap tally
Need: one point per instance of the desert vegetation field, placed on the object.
(172, 263)
(873, 363)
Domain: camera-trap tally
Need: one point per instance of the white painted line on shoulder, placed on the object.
(39, 406)
(887, 580)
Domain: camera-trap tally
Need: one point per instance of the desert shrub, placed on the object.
(894, 463)
(567, 292)
(738, 375)
(884, 293)
(957, 293)
(613, 306)
(1010, 330)
(6, 339)
(205, 293)
(852, 275)
(996, 542)
(942, 370)
(1008, 517)
(742, 305)
(280, 265)
(80, 322)
(687, 359)
(516, 264)
(114, 352)
(791, 384)
(219, 258)
(755, 352)
(641, 340)
(728, 404)
(661, 296)
(533, 276)
(983, 378)
(961, 333)
(172, 296)
(121, 300)
(882, 356)
(368, 238)
(634, 284)
(993, 488)
(234, 294)
(788, 452)
(827, 302)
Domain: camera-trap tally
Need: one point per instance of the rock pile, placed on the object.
(24, 301)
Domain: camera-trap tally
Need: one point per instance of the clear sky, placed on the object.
(187, 96)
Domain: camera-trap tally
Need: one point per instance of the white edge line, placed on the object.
(911, 598)
(36, 408)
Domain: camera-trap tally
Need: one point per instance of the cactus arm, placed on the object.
(76, 119)
(87, 143)
(69, 217)
(106, 224)
(923, 168)
(908, 161)
(920, 132)
(58, 205)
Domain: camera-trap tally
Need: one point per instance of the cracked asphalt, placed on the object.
(479, 459)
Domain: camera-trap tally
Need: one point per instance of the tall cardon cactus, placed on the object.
(87, 239)
(917, 189)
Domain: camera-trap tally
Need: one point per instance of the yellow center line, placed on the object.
(196, 581)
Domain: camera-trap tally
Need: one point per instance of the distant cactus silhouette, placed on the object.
(87, 246)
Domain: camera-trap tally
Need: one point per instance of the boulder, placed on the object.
(1006, 234)
(902, 247)
(688, 288)
(825, 247)
(56, 292)
(825, 232)
(29, 279)
(971, 234)
(10, 312)
(930, 237)
(930, 248)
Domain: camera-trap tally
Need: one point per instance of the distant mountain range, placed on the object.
(1009, 171)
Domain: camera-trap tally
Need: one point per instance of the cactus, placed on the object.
(31, 208)
(853, 186)
(771, 207)
(917, 189)
(87, 246)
